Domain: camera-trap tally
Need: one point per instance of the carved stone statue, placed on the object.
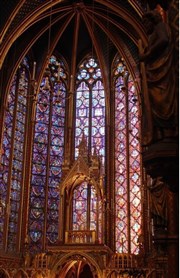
(158, 203)
(159, 120)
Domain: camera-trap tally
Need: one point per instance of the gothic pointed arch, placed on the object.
(81, 194)
(63, 264)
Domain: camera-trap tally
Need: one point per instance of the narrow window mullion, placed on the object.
(88, 206)
(47, 169)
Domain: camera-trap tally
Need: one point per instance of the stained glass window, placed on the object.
(48, 154)
(90, 108)
(12, 169)
(90, 121)
(127, 162)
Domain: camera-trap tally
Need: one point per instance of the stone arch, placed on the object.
(95, 268)
(4, 273)
(21, 272)
(39, 274)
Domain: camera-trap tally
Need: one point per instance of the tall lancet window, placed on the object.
(90, 108)
(90, 121)
(127, 162)
(48, 155)
(12, 159)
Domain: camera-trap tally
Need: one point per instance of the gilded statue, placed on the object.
(159, 111)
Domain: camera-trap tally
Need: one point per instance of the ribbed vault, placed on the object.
(73, 28)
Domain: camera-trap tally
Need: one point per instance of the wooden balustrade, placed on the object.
(80, 237)
(122, 261)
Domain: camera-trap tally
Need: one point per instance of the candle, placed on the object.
(71, 84)
(122, 242)
(78, 167)
(152, 225)
(58, 77)
(34, 70)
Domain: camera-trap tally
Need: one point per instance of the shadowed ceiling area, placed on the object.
(71, 28)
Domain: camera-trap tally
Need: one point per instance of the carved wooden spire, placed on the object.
(83, 150)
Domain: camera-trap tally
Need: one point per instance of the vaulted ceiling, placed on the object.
(72, 28)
